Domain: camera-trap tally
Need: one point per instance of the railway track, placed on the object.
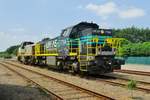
(58, 88)
(117, 81)
(133, 72)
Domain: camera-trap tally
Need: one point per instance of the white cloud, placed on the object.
(111, 8)
(132, 13)
(103, 10)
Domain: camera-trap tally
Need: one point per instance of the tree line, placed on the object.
(9, 52)
(135, 49)
(139, 41)
(133, 34)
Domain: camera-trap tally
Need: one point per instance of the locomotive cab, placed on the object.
(97, 56)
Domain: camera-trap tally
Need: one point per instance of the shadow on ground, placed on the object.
(14, 92)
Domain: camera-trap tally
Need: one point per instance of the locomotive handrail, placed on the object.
(74, 46)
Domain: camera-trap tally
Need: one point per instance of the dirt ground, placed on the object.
(14, 87)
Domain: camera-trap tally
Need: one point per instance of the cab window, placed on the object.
(66, 32)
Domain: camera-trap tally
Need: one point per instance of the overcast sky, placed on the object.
(32, 20)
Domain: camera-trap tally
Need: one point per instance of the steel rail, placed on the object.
(133, 72)
(103, 97)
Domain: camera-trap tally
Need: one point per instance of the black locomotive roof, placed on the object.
(84, 24)
(23, 44)
(44, 40)
(27, 42)
(93, 25)
(78, 28)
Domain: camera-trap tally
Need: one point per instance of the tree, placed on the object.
(12, 50)
(133, 34)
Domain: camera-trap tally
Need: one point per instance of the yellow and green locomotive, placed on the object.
(80, 48)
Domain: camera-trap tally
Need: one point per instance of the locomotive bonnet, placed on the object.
(83, 47)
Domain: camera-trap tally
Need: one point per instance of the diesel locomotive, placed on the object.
(83, 47)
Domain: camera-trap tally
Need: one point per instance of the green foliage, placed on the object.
(135, 49)
(139, 41)
(11, 51)
(131, 86)
(5, 55)
(2, 54)
(133, 34)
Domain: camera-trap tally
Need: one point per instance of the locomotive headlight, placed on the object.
(102, 32)
(109, 63)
